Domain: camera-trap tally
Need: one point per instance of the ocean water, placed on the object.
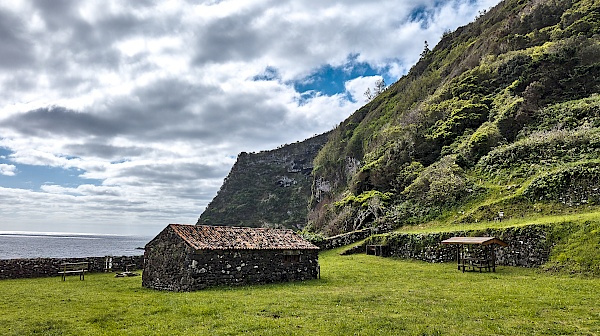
(68, 245)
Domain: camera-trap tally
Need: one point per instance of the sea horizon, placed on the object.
(36, 244)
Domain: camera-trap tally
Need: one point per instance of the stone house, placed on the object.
(191, 257)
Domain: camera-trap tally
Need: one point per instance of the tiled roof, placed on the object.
(204, 237)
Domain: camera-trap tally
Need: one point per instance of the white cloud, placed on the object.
(7, 170)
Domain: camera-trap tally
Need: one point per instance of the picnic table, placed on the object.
(483, 258)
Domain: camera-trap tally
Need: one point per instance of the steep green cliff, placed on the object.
(502, 115)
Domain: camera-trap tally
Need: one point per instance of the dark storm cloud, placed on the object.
(231, 38)
(55, 11)
(105, 151)
(91, 44)
(15, 49)
(151, 112)
(173, 174)
(60, 121)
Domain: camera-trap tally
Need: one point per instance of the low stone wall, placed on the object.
(528, 246)
(45, 267)
(345, 239)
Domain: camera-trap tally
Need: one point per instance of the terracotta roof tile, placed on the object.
(204, 237)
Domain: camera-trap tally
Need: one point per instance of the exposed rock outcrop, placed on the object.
(267, 189)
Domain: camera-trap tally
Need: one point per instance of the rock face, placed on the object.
(267, 189)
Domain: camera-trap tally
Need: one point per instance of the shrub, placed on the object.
(461, 115)
(364, 199)
(571, 114)
(444, 182)
(486, 137)
(546, 148)
(578, 184)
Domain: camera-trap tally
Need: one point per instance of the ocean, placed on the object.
(15, 245)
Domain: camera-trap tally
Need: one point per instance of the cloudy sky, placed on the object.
(124, 116)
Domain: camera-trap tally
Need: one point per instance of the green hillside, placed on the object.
(503, 115)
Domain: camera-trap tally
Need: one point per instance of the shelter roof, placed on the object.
(205, 237)
(474, 241)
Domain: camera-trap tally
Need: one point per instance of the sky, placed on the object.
(121, 117)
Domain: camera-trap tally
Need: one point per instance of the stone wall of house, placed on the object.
(208, 268)
(45, 267)
(528, 246)
(166, 262)
(240, 267)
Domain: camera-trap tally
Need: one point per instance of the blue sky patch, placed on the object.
(32, 177)
(329, 80)
(422, 14)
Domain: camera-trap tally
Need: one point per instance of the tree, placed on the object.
(379, 88)
(369, 95)
(426, 50)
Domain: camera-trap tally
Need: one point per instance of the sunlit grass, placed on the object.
(357, 295)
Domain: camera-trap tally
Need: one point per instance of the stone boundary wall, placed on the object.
(344, 239)
(528, 246)
(46, 267)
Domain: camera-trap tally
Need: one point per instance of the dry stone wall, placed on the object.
(202, 269)
(45, 267)
(528, 246)
(344, 239)
(251, 267)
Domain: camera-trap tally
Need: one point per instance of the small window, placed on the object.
(291, 258)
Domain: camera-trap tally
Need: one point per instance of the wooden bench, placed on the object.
(74, 268)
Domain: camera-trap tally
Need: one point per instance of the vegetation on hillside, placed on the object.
(502, 115)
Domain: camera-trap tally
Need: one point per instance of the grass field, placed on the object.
(357, 295)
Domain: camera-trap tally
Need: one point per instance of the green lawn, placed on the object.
(357, 295)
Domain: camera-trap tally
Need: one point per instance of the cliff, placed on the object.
(267, 189)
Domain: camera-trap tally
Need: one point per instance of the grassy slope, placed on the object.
(361, 295)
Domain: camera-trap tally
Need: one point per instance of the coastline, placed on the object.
(18, 245)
